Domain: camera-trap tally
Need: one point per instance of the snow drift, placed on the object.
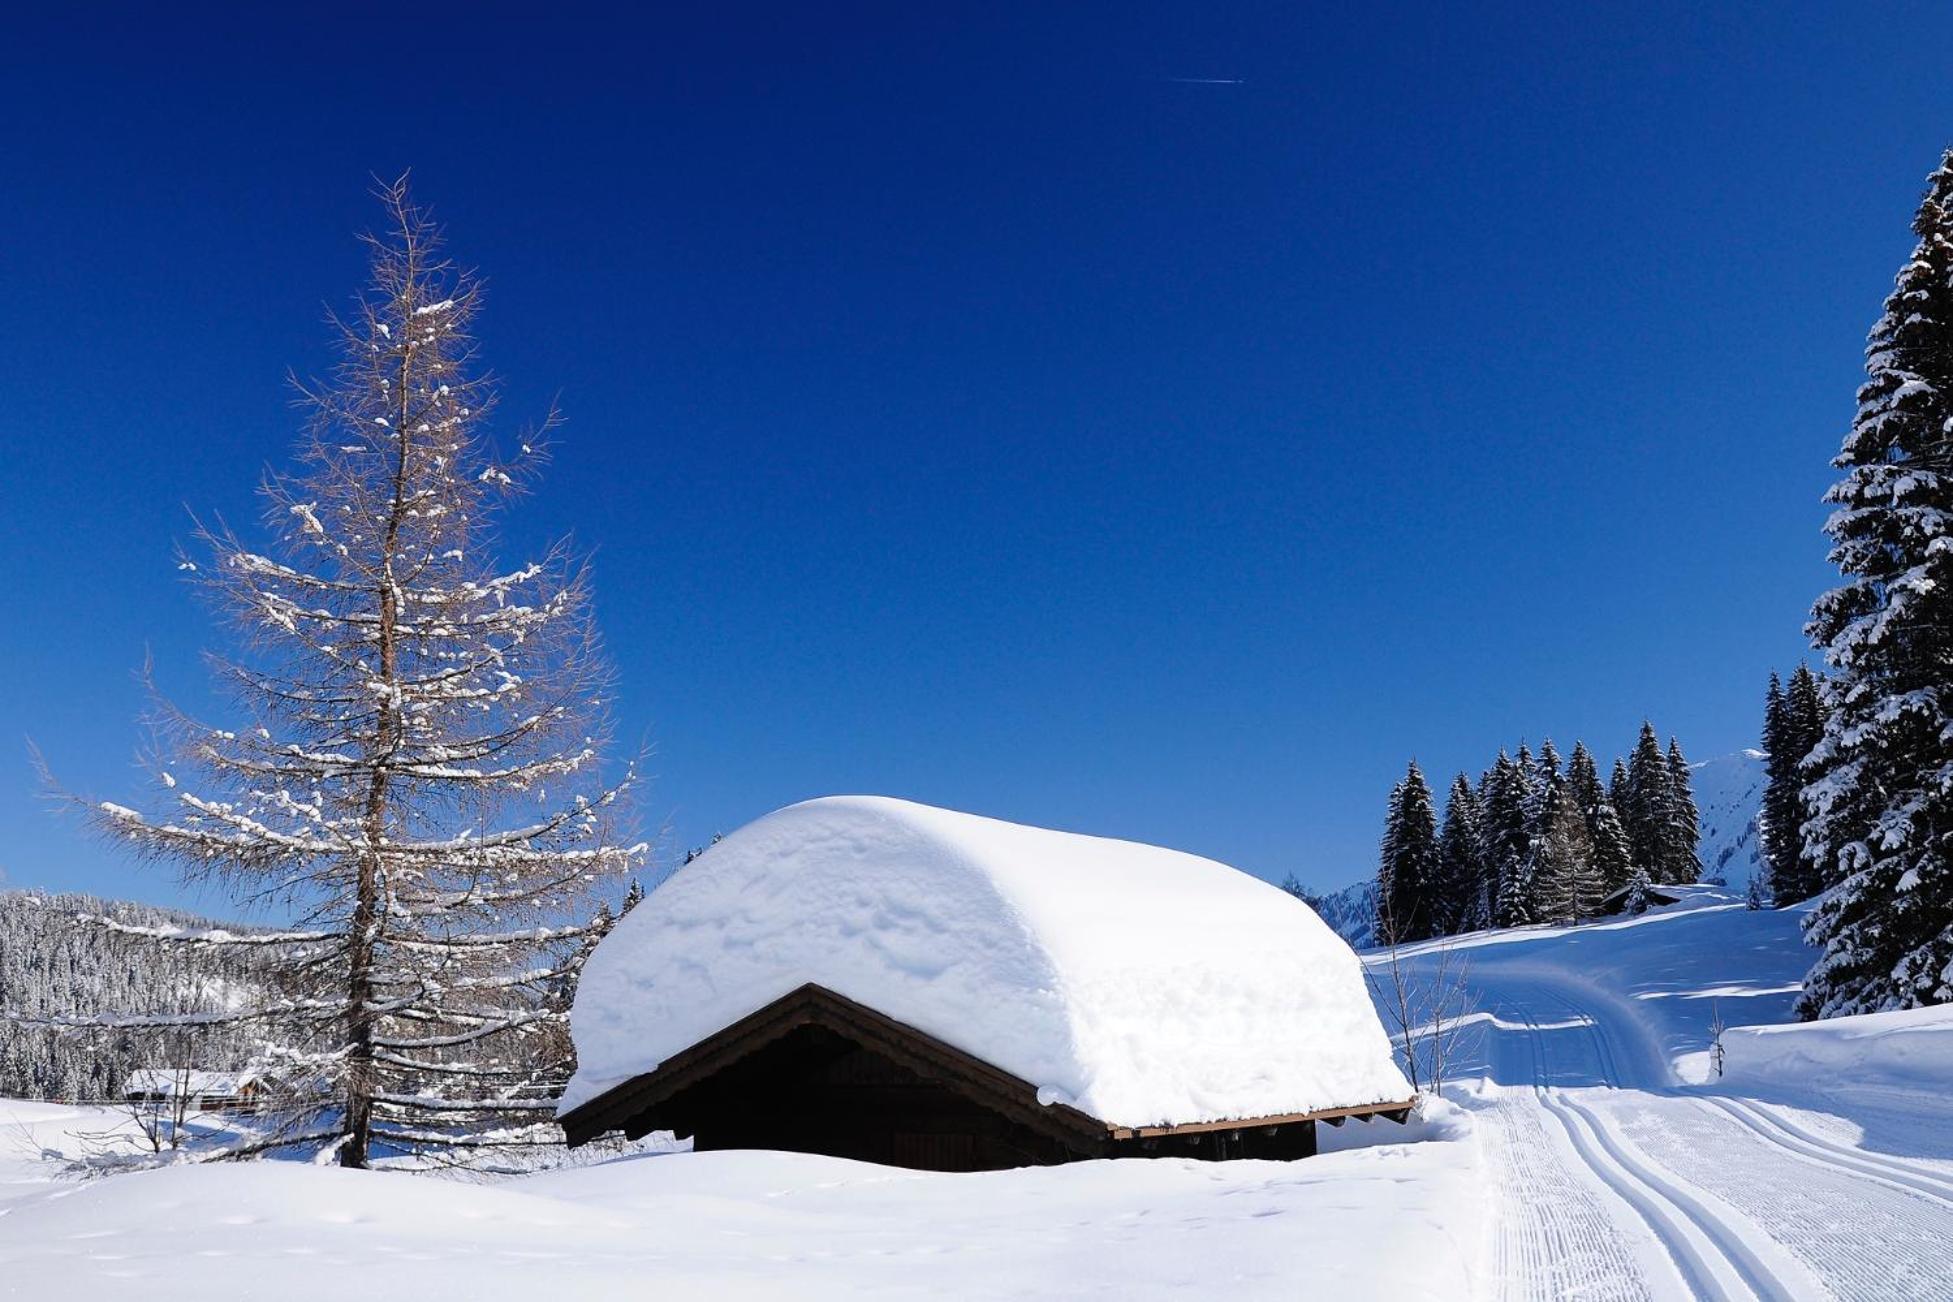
(1141, 985)
(1912, 1046)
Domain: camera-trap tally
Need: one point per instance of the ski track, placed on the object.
(1555, 1239)
(1659, 1191)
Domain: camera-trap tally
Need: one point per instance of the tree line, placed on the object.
(1533, 840)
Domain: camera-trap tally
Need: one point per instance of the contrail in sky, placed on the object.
(1209, 81)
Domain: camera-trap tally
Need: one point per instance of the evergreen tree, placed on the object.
(1805, 713)
(1536, 783)
(1679, 858)
(1583, 781)
(1880, 799)
(1547, 767)
(1544, 871)
(1565, 885)
(1793, 724)
(1637, 897)
(1780, 841)
(1648, 808)
(1508, 843)
(1408, 867)
(1613, 856)
(1461, 869)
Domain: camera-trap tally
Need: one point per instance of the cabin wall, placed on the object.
(815, 1091)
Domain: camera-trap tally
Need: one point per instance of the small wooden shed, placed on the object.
(871, 979)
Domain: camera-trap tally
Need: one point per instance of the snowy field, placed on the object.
(1598, 1157)
(737, 1225)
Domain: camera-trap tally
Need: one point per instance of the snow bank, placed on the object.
(1914, 1047)
(1141, 985)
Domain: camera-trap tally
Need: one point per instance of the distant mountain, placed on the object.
(1728, 797)
(1350, 912)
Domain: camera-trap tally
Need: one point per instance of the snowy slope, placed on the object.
(1143, 986)
(1728, 797)
(1820, 1164)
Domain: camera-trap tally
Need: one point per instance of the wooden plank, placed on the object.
(1396, 1111)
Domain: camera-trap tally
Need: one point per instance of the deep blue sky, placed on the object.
(963, 408)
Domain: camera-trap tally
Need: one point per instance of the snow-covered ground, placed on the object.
(1818, 1164)
(1397, 1218)
(1599, 1156)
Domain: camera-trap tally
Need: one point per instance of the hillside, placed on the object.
(51, 965)
(1634, 1149)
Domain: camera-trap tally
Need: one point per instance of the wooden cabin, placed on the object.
(870, 979)
(199, 1091)
(816, 1072)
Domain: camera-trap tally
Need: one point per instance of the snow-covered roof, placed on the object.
(166, 1081)
(1141, 985)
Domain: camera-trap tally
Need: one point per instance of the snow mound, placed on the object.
(1911, 1046)
(1143, 986)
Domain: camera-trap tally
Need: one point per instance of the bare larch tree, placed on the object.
(415, 774)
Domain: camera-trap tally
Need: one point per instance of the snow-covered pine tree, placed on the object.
(1680, 860)
(1648, 810)
(416, 772)
(1461, 867)
(1393, 825)
(1409, 862)
(1547, 766)
(1541, 874)
(1508, 842)
(1881, 794)
(1583, 781)
(1806, 707)
(1617, 788)
(1780, 814)
(1637, 901)
(1536, 782)
(1565, 886)
(1613, 856)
